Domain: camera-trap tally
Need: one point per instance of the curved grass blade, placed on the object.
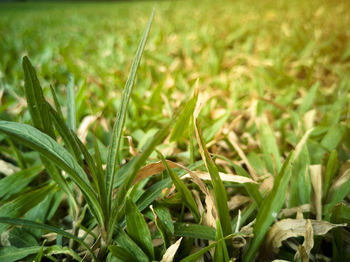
(127, 243)
(183, 190)
(137, 228)
(41, 119)
(112, 161)
(51, 150)
(269, 209)
(219, 189)
(183, 121)
(35, 99)
(31, 224)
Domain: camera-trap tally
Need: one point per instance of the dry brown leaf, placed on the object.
(316, 181)
(152, 169)
(237, 201)
(171, 251)
(291, 211)
(302, 142)
(84, 127)
(304, 251)
(224, 177)
(211, 215)
(233, 140)
(287, 228)
(309, 118)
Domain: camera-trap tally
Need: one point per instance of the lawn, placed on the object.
(186, 131)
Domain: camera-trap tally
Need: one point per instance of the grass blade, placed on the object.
(35, 99)
(51, 150)
(31, 224)
(194, 231)
(71, 114)
(186, 195)
(137, 228)
(269, 209)
(127, 243)
(112, 161)
(16, 182)
(219, 189)
(331, 169)
(24, 202)
(12, 254)
(270, 149)
(122, 254)
(220, 249)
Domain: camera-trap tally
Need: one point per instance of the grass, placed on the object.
(226, 137)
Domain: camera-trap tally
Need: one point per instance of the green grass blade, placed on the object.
(112, 161)
(252, 189)
(337, 193)
(132, 172)
(51, 150)
(122, 254)
(270, 208)
(31, 224)
(331, 169)
(35, 99)
(186, 195)
(16, 182)
(155, 190)
(96, 173)
(194, 231)
(220, 253)
(183, 121)
(41, 119)
(270, 149)
(127, 243)
(63, 130)
(219, 189)
(57, 103)
(164, 224)
(137, 228)
(198, 254)
(23, 203)
(12, 254)
(308, 100)
(71, 112)
(333, 137)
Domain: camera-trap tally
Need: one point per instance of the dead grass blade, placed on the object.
(171, 251)
(316, 181)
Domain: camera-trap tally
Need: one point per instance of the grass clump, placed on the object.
(232, 145)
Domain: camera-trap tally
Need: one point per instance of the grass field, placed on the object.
(228, 141)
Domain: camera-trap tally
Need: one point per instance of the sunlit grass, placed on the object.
(233, 131)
